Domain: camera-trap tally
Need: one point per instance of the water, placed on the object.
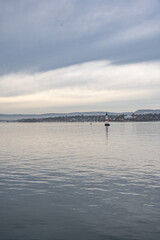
(79, 181)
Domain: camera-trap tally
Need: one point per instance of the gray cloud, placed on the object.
(43, 35)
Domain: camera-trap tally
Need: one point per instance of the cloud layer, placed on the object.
(44, 35)
(83, 86)
(79, 55)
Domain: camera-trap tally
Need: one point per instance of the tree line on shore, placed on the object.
(97, 118)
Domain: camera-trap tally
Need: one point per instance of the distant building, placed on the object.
(128, 117)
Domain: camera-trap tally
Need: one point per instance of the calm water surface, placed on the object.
(62, 181)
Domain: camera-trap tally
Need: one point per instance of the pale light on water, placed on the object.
(79, 181)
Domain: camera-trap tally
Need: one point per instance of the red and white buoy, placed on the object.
(106, 120)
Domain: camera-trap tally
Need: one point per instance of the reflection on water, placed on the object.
(79, 181)
(107, 133)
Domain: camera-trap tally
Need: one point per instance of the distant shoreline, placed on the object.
(143, 115)
(94, 118)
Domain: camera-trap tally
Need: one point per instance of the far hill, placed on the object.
(147, 111)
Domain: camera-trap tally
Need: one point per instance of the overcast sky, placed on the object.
(79, 55)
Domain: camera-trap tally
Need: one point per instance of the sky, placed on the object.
(79, 55)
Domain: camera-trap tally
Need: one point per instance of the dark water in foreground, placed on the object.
(79, 181)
